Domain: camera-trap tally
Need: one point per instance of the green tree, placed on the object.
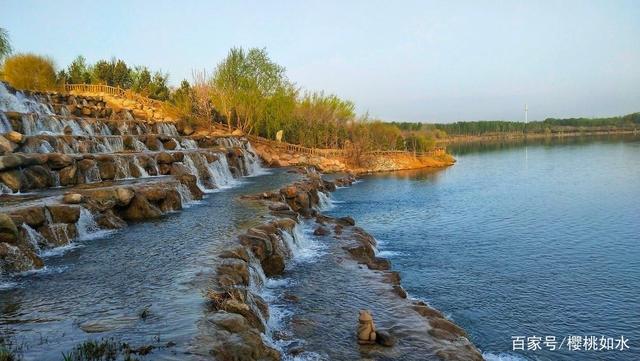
(78, 72)
(5, 44)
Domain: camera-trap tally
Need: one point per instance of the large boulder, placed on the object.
(164, 158)
(11, 161)
(72, 198)
(59, 160)
(6, 146)
(124, 196)
(64, 213)
(32, 216)
(37, 176)
(107, 168)
(8, 229)
(13, 179)
(140, 209)
(68, 175)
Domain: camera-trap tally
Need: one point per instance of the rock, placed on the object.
(32, 216)
(8, 229)
(233, 272)
(37, 176)
(139, 209)
(278, 206)
(384, 338)
(347, 221)
(107, 168)
(6, 146)
(72, 198)
(447, 326)
(11, 161)
(68, 175)
(64, 213)
(231, 322)
(321, 231)
(289, 191)
(68, 130)
(14, 137)
(58, 160)
(238, 252)
(366, 328)
(12, 179)
(164, 158)
(124, 196)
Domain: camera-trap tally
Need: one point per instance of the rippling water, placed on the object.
(103, 284)
(541, 240)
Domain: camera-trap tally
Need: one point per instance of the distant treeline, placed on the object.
(549, 125)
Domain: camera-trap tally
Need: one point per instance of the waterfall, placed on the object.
(136, 163)
(35, 238)
(87, 227)
(5, 125)
(139, 146)
(185, 195)
(252, 162)
(188, 162)
(45, 147)
(167, 129)
(20, 103)
(229, 142)
(4, 189)
(122, 168)
(189, 144)
(220, 172)
(115, 143)
(92, 175)
(324, 202)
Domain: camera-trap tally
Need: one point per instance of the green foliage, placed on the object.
(5, 44)
(548, 126)
(78, 72)
(114, 73)
(30, 71)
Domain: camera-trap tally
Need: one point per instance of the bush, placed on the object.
(30, 71)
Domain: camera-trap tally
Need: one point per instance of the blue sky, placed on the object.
(402, 60)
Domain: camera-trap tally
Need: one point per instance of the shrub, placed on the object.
(30, 71)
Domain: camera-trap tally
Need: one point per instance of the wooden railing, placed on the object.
(337, 152)
(114, 91)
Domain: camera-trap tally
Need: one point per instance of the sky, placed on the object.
(432, 61)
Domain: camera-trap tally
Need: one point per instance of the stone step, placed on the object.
(34, 123)
(79, 144)
(21, 172)
(48, 220)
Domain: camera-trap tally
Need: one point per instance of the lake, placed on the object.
(533, 241)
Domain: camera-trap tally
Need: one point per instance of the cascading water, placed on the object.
(35, 239)
(136, 163)
(189, 144)
(122, 167)
(87, 227)
(167, 129)
(220, 172)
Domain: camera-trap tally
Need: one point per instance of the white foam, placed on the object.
(502, 357)
(87, 227)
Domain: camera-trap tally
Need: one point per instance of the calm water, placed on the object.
(540, 240)
(105, 282)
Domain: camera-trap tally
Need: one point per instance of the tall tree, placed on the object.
(5, 44)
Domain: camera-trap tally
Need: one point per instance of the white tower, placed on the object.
(526, 111)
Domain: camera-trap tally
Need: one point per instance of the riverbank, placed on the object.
(366, 163)
(242, 307)
(495, 137)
